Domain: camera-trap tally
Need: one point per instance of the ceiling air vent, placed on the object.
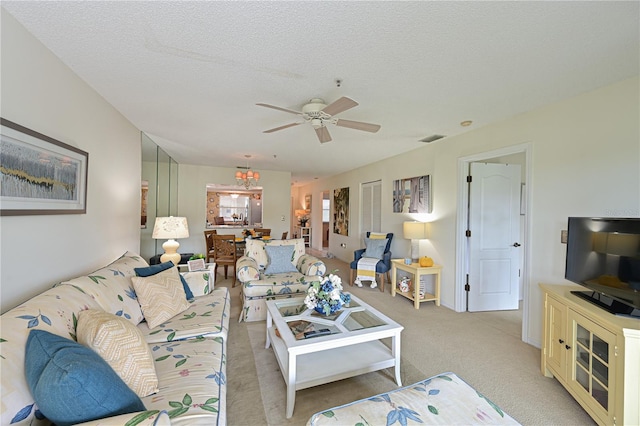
(431, 138)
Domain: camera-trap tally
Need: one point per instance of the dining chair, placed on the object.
(284, 235)
(208, 240)
(263, 232)
(225, 254)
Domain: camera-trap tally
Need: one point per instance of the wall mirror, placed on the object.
(158, 193)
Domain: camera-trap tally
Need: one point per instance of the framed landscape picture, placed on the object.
(40, 175)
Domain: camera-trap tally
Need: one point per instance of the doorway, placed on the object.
(518, 153)
(326, 210)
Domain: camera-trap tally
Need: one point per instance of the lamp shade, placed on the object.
(170, 227)
(415, 230)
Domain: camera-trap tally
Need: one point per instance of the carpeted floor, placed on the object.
(484, 349)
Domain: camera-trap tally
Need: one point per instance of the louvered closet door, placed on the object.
(371, 219)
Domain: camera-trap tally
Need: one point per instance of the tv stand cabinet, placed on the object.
(595, 355)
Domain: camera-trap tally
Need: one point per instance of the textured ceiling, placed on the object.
(190, 73)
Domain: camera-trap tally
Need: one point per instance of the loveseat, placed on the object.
(188, 351)
(274, 269)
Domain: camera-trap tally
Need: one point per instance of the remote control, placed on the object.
(317, 333)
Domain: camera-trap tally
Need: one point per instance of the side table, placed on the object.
(417, 271)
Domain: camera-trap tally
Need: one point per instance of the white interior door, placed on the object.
(494, 249)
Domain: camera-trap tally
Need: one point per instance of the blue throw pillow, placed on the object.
(280, 259)
(154, 269)
(375, 247)
(72, 384)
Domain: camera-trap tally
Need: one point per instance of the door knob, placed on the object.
(516, 244)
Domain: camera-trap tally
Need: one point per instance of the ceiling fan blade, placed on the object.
(286, 126)
(280, 108)
(323, 134)
(339, 106)
(358, 125)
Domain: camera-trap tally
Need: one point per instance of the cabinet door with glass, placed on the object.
(592, 365)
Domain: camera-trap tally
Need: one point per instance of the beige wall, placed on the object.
(192, 198)
(39, 92)
(585, 162)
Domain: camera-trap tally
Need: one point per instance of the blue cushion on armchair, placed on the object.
(73, 384)
(280, 259)
(375, 248)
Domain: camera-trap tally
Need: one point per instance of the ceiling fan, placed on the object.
(319, 114)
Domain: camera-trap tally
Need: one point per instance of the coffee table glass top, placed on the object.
(300, 320)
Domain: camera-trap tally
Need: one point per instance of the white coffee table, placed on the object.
(352, 348)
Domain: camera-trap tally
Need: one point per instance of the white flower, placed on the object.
(335, 294)
(310, 301)
(336, 281)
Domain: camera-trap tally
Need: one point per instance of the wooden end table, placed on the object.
(417, 271)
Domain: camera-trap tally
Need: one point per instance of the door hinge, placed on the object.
(469, 179)
(467, 287)
(467, 233)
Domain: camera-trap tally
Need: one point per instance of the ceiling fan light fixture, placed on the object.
(320, 115)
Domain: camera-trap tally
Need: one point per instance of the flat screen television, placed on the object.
(603, 255)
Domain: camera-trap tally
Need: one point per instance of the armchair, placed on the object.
(274, 269)
(383, 266)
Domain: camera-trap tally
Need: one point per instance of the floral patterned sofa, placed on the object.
(187, 351)
(444, 399)
(274, 269)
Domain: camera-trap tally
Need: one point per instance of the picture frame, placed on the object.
(412, 195)
(40, 175)
(341, 211)
(196, 265)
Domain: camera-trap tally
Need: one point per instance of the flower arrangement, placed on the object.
(248, 233)
(326, 296)
(303, 220)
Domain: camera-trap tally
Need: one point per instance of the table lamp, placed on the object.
(415, 231)
(171, 228)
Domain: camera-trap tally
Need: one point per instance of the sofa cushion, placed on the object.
(71, 383)
(375, 247)
(111, 287)
(154, 269)
(122, 345)
(280, 259)
(55, 310)
(194, 382)
(161, 296)
(206, 316)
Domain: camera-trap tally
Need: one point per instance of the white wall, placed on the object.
(39, 92)
(192, 198)
(586, 162)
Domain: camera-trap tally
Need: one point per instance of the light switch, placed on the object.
(563, 236)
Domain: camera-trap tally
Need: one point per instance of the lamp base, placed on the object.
(170, 252)
(415, 251)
